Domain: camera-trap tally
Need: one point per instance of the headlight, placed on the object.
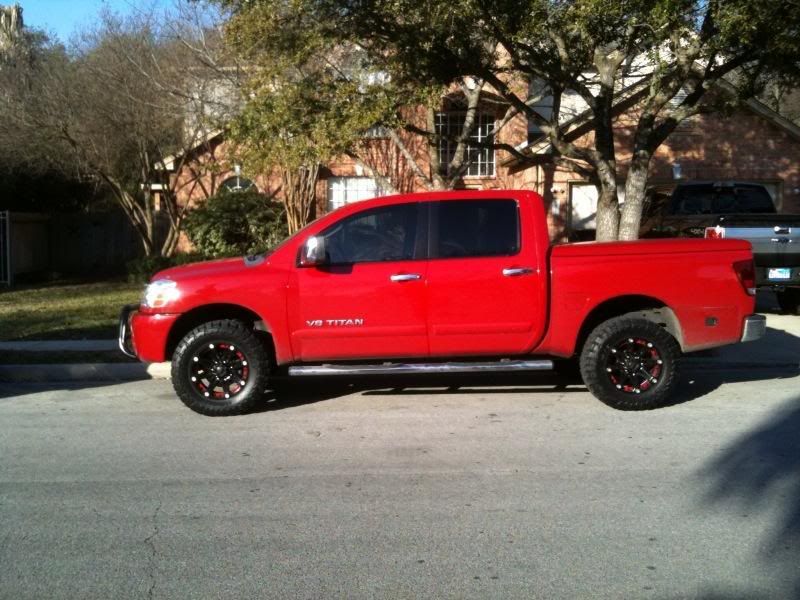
(160, 293)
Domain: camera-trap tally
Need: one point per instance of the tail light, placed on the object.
(746, 272)
(715, 233)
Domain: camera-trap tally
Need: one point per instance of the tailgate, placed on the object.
(776, 244)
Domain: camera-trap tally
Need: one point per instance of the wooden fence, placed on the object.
(74, 244)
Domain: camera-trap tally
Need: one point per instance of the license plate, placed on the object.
(779, 274)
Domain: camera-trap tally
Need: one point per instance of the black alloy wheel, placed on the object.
(220, 368)
(630, 363)
(634, 365)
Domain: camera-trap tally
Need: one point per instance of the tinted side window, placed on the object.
(707, 199)
(753, 199)
(375, 235)
(476, 228)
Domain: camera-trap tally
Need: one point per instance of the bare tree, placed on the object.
(127, 105)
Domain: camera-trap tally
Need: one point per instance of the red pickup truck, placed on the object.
(443, 282)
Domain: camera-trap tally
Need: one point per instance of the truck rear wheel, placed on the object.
(789, 300)
(220, 368)
(630, 363)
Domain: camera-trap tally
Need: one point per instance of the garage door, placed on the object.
(583, 206)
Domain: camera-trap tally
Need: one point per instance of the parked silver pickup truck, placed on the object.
(736, 210)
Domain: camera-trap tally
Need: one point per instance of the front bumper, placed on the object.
(124, 339)
(755, 326)
(144, 336)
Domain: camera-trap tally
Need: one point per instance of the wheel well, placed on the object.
(643, 307)
(214, 312)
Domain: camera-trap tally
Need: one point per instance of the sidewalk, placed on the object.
(79, 371)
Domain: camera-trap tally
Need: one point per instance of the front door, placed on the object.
(486, 294)
(369, 301)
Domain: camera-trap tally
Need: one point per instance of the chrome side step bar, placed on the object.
(501, 366)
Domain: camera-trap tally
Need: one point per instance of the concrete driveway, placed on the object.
(521, 487)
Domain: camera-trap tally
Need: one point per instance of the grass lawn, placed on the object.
(64, 311)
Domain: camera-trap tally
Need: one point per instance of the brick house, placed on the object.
(755, 144)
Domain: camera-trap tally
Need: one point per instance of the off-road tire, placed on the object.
(789, 301)
(230, 333)
(596, 358)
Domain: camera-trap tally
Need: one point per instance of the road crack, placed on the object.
(153, 558)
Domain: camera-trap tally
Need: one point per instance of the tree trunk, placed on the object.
(635, 188)
(605, 163)
(607, 217)
(437, 180)
(300, 195)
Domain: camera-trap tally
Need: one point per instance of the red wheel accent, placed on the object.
(634, 365)
(219, 371)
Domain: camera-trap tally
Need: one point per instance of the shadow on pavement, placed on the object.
(297, 392)
(695, 383)
(761, 471)
(776, 348)
(698, 380)
(10, 390)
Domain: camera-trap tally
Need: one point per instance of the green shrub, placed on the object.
(235, 224)
(142, 269)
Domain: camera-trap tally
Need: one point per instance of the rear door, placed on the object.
(369, 302)
(486, 292)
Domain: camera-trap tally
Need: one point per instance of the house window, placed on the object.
(480, 161)
(542, 97)
(346, 190)
(236, 184)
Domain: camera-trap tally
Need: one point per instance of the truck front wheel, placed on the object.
(789, 300)
(220, 368)
(630, 363)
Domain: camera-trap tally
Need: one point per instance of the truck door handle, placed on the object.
(517, 271)
(405, 277)
(781, 240)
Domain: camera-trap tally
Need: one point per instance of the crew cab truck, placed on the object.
(443, 282)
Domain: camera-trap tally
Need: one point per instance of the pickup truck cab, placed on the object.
(458, 281)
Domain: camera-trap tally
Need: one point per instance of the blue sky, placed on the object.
(62, 17)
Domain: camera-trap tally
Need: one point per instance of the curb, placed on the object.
(115, 372)
(61, 346)
(119, 372)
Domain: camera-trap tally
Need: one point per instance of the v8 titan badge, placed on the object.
(335, 322)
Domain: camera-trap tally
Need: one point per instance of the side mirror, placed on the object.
(313, 253)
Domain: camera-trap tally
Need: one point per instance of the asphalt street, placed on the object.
(521, 487)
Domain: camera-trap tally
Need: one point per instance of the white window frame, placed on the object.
(481, 162)
(346, 190)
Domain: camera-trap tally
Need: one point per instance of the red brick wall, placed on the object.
(741, 146)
